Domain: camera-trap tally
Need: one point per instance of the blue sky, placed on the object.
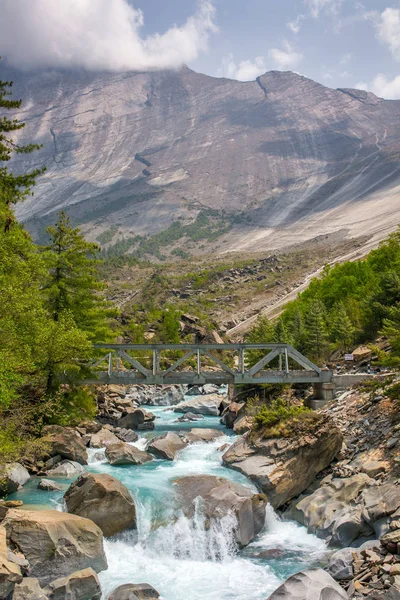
(340, 43)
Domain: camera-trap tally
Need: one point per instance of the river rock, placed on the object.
(187, 417)
(314, 584)
(65, 441)
(166, 445)
(380, 501)
(12, 477)
(137, 418)
(29, 589)
(102, 438)
(243, 425)
(104, 500)
(134, 591)
(47, 485)
(202, 435)
(204, 405)
(283, 468)
(10, 573)
(72, 542)
(124, 454)
(223, 497)
(81, 585)
(231, 414)
(67, 469)
(341, 564)
(127, 435)
(333, 511)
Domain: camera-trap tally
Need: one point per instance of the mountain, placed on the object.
(261, 164)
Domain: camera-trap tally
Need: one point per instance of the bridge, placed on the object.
(165, 364)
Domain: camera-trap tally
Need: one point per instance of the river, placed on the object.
(181, 558)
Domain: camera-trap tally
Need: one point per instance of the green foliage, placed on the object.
(107, 235)
(351, 303)
(281, 419)
(394, 392)
(71, 407)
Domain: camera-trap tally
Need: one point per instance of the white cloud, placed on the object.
(97, 35)
(388, 30)
(245, 70)
(295, 25)
(318, 6)
(287, 58)
(362, 85)
(386, 88)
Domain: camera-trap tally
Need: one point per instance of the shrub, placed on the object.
(283, 420)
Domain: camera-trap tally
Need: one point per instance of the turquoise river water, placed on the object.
(181, 558)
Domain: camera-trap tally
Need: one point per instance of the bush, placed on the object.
(283, 420)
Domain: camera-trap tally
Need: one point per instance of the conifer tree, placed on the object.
(315, 329)
(281, 334)
(342, 331)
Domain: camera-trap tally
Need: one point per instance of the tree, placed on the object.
(315, 329)
(342, 330)
(13, 188)
(72, 297)
(263, 332)
(281, 334)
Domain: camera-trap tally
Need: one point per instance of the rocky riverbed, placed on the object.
(146, 498)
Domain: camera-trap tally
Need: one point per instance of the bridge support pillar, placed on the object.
(323, 393)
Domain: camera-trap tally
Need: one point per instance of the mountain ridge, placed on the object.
(280, 159)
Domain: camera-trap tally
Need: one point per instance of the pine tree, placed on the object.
(263, 332)
(342, 331)
(73, 298)
(281, 334)
(297, 330)
(315, 329)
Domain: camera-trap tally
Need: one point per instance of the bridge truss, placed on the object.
(154, 364)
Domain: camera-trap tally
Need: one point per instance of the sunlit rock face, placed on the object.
(289, 157)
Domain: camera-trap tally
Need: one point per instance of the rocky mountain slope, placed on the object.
(266, 163)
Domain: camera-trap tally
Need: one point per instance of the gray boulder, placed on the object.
(29, 589)
(380, 501)
(12, 477)
(333, 512)
(341, 564)
(104, 500)
(204, 405)
(47, 485)
(222, 497)
(137, 418)
(10, 573)
(202, 435)
(284, 467)
(166, 445)
(73, 543)
(127, 435)
(65, 441)
(314, 584)
(102, 438)
(134, 591)
(123, 454)
(67, 469)
(81, 585)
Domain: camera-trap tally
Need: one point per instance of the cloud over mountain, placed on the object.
(97, 35)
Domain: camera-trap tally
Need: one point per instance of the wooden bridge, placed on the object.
(152, 364)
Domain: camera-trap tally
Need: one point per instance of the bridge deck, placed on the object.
(125, 365)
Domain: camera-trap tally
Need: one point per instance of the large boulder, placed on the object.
(137, 418)
(102, 438)
(104, 500)
(231, 413)
(55, 543)
(166, 445)
(127, 435)
(47, 485)
(67, 469)
(134, 591)
(29, 589)
(222, 497)
(66, 442)
(243, 425)
(124, 454)
(10, 573)
(203, 405)
(12, 477)
(284, 467)
(333, 511)
(202, 435)
(81, 585)
(314, 584)
(380, 501)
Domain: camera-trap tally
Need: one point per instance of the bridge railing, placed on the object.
(125, 364)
